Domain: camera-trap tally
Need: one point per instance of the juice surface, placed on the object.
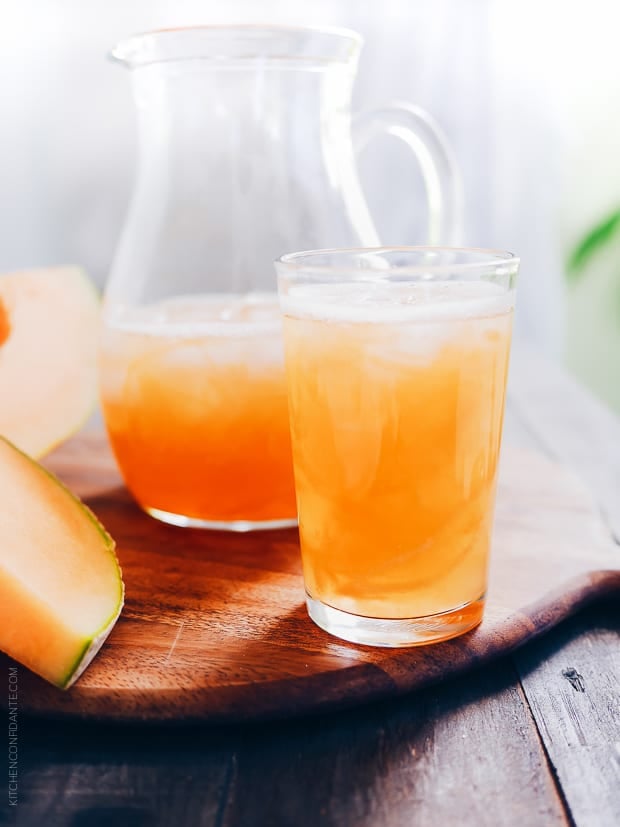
(194, 398)
(396, 399)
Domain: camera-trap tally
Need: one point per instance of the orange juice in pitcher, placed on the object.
(194, 399)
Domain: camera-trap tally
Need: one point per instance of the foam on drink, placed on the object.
(220, 314)
(377, 301)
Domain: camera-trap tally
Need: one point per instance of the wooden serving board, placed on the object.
(215, 627)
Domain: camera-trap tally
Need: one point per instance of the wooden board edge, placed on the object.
(329, 692)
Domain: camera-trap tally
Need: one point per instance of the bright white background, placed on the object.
(518, 87)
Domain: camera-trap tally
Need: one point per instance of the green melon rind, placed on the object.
(94, 643)
(92, 647)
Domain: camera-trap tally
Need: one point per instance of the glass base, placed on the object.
(217, 525)
(410, 631)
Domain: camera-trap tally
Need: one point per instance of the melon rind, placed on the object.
(91, 649)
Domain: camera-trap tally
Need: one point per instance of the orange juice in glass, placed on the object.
(194, 399)
(396, 368)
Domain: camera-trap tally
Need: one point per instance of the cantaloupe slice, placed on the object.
(49, 327)
(61, 589)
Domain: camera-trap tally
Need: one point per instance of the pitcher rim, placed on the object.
(121, 52)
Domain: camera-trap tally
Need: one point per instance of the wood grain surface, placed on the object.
(571, 677)
(215, 628)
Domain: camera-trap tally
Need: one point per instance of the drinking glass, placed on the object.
(396, 362)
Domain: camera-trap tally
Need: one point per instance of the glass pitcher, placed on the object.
(246, 151)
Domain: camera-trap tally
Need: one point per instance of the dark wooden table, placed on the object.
(530, 740)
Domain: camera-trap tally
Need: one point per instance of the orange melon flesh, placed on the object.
(49, 323)
(5, 327)
(61, 589)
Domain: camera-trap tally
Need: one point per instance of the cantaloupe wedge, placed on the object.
(61, 589)
(49, 327)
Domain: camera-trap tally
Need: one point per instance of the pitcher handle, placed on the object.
(440, 172)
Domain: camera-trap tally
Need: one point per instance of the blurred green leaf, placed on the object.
(591, 244)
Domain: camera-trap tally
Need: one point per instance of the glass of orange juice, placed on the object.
(194, 399)
(396, 363)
